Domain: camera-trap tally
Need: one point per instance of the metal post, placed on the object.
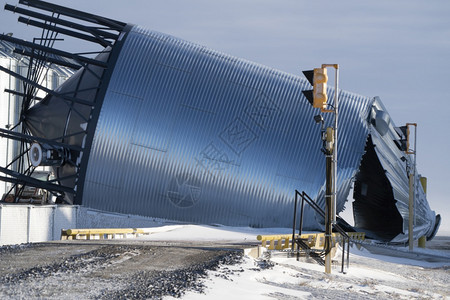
(335, 142)
(302, 208)
(300, 226)
(328, 212)
(412, 190)
(415, 173)
(331, 185)
(348, 252)
(343, 253)
(294, 221)
(411, 213)
(423, 239)
(336, 112)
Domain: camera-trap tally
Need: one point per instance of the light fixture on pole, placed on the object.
(318, 99)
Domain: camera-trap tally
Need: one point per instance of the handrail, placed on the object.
(100, 233)
(319, 210)
(313, 240)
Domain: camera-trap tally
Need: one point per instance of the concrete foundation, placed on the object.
(34, 223)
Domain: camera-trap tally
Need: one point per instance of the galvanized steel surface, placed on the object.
(397, 174)
(192, 134)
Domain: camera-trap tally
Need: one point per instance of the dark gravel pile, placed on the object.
(109, 270)
(15, 248)
(155, 285)
(72, 264)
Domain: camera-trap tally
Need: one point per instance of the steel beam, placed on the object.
(18, 178)
(21, 94)
(94, 31)
(53, 51)
(68, 32)
(77, 14)
(20, 137)
(47, 59)
(48, 91)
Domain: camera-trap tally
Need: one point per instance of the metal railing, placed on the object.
(298, 240)
(101, 233)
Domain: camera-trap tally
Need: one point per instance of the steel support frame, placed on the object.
(47, 59)
(71, 33)
(42, 54)
(94, 31)
(31, 45)
(73, 13)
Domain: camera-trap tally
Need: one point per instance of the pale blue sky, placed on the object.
(397, 50)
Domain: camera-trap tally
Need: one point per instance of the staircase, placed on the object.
(310, 244)
(318, 256)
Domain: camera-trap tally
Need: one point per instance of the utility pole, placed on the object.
(329, 194)
(318, 99)
(412, 183)
(335, 133)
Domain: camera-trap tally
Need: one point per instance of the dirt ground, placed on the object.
(107, 270)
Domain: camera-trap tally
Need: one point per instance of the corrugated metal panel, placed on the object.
(353, 130)
(192, 134)
(396, 171)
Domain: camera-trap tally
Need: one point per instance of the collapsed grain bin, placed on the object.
(161, 127)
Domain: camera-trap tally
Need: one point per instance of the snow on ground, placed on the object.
(370, 276)
(366, 278)
(209, 233)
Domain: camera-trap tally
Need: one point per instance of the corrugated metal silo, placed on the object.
(162, 127)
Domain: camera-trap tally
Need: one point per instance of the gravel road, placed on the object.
(107, 270)
(153, 269)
